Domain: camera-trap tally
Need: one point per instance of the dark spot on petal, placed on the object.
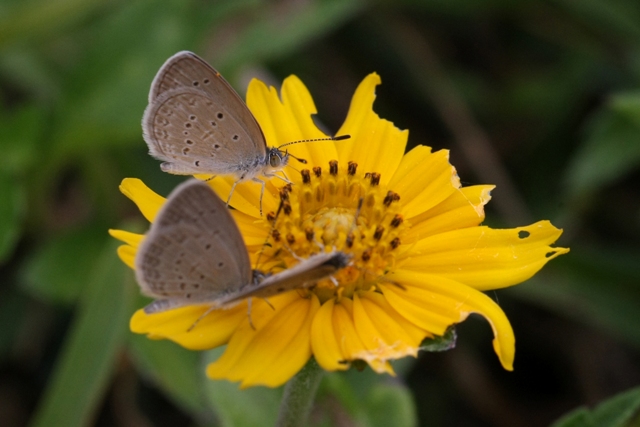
(523, 234)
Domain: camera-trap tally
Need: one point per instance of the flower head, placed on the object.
(419, 257)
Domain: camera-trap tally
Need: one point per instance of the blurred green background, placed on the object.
(541, 97)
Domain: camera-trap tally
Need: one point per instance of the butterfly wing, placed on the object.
(194, 115)
(193, 253)
(307, 272)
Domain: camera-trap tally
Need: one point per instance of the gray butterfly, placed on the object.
(197, 124)
(194, 254)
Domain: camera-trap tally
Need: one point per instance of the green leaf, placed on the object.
(176, 370)
(12, 314)
(59, 270)
(391, 405)
(87, 359)
(370, 399)
(598, 286)
(255, 406)
(619, 411)
(106, 92)
(443, 343)
(19, 133)
(34, 19)
(271, 36)
(12, 211)
(611, 150)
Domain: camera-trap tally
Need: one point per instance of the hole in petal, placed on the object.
(523, 234)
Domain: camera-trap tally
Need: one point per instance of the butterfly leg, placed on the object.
(285, 179)
(293, 254)
(262, 183)
(233, 188)
(249, 313)
(202, 316)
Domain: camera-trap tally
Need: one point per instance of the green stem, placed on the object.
(299, 394)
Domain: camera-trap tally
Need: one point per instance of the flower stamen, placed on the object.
(341, 211)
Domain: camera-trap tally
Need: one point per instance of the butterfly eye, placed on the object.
(275, 159)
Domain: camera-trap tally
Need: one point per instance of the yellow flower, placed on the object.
(420, 258)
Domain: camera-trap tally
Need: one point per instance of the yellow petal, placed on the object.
(276, 349)
(486, 258)
(146, 199)
(254, 231)
(463, 208)
(336, 339)
(324, 342)
(289, 120)
(211, 331)
(127, 254)
(268, 110)
(424, 180)
(300, 108)
(385, 334)
(132, 239)
(423, 294)
(376, 145)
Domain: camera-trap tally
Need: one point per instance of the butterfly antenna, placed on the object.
(300, 159)
(329, 138)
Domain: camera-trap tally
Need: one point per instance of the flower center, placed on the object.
(339, 210)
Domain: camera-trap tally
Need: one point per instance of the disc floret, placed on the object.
(338, 209)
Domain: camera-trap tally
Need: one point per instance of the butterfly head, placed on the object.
(277, 159)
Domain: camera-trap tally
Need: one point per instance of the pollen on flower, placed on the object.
(339, 210)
